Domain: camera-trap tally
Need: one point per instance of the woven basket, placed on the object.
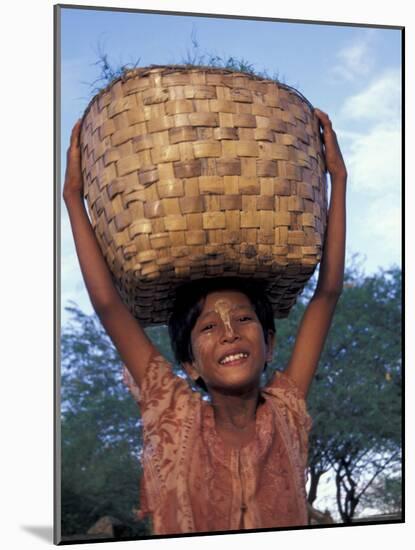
(192, 173)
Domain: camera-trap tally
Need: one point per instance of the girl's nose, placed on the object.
(229, 333)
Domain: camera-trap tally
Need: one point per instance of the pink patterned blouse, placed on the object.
(194, 482)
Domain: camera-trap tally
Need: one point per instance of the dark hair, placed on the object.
(188, 305)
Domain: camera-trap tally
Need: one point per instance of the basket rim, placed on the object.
(169, 69)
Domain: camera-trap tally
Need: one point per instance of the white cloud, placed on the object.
(374, 165)
(374, 159)
(380, 101)
(373, 147)
(356, 59)
(384, 219)
(370, 135)
(383, 224)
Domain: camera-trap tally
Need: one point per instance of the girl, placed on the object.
(238, 461)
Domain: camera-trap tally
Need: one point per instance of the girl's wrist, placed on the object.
(72, 196)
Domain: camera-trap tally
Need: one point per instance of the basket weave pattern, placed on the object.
(193, 173)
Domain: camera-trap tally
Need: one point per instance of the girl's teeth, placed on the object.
(233, 357)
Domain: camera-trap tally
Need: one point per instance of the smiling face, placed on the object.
(228, 343)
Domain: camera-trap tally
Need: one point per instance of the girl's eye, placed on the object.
(208, 327)
(245, 318)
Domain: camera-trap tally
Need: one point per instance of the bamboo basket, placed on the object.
(191, 173)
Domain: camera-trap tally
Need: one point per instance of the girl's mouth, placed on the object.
(233, 358)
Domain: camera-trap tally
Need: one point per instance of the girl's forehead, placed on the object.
(225, 299)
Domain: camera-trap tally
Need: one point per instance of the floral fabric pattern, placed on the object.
(194, 482)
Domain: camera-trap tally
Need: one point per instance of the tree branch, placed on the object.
(378, 471)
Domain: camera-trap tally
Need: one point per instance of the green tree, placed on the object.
(385, 494)
(355, 400)
(100, 431)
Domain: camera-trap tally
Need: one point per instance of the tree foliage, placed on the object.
(100, 431)
(385, 494)
(355, 400)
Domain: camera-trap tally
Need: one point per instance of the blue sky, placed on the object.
(353, 73)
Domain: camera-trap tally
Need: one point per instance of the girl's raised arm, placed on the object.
(127, 335)
(317, 317)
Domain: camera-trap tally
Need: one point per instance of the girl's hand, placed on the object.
(73, 177)
(334, 159)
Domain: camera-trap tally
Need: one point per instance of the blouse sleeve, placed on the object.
(160, 390)
(290, 402)
(167, 403)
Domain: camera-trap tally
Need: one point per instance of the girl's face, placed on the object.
(228, 343)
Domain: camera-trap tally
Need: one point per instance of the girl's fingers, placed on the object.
(327, 127)
(334, 159)
(76, 131)
(73, 157)
(321, 114)
(73, 175)
(74, 144)
(324, 119)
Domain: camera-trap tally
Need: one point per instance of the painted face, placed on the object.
(228, 342)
